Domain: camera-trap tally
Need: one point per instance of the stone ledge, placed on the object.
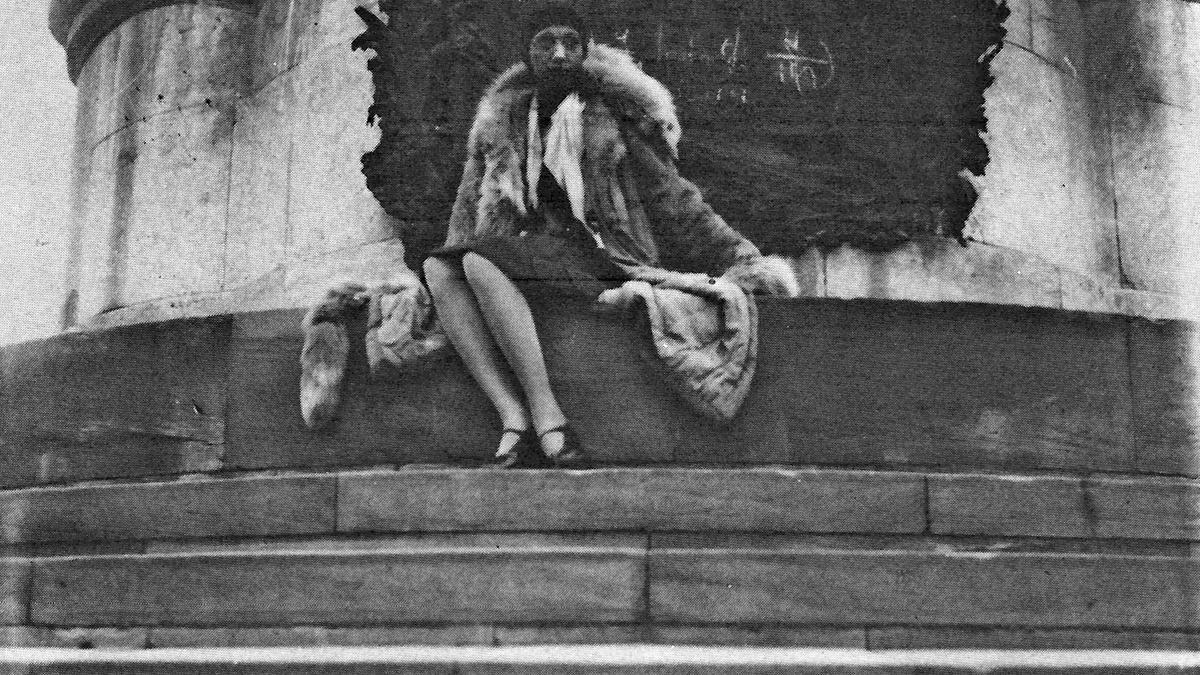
(941, 270)
(1096, 507)
(547, 660)
(633, 499)
(292, 285)
(910, 588)
(183, 509)
(467, 585)
(779, 635)
(1027, 638)
(440, 507)
(487, 634)
(425, 543)
(547, 581)
(931, 271)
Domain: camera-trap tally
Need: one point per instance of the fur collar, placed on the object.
(614, 75)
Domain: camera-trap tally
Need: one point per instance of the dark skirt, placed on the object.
(544, 266)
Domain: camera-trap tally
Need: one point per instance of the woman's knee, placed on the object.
(485, 278)
(479, 270)
(474, 264)
(438, 272)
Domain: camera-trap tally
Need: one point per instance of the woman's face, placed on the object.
(556, 52)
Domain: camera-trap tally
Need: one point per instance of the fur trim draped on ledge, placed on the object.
(704, 330)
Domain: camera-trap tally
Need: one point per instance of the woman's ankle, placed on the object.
(517, 421)
(547, 417)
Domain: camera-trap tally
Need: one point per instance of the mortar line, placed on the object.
(337, 502)
(824, 272)
(928, 506)
(30, 585)
(647, 623)
(228, 199)
(1122, 279)
(1134, 436)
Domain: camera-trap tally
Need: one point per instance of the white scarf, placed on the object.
(563, 152)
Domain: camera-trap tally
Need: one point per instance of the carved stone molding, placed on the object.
(80, 25)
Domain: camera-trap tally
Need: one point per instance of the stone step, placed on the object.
(423, 581)
(625, 580)
(125, 516)
(838, 383)
(587, 659)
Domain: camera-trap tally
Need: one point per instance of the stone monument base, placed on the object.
(903, 476)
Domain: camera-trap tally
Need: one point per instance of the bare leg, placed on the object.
(460, 315)
(507, 314)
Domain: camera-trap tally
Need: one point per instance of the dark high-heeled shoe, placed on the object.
(512, 458)
(524, 454)
(571, 455)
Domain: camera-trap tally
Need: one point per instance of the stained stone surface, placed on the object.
(660, 499)
(74, 638)
(137, 401)
(938, 269)
(1003, 590)
(219, 148)
(456, 585)
(1029, 638)
(842, 383)
(1154, 148)
(1152, 100)
(14, 591)
(1163, 370)
(244, 507)
(1001, 505)
(1052, 506)
(318, 635)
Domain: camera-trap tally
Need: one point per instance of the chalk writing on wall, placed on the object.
(800, 70)
(741, 66)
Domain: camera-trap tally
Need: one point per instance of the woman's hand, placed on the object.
(769, 274)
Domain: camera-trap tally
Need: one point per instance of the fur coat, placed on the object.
(647, 214)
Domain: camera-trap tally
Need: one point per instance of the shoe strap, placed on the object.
(562, 428)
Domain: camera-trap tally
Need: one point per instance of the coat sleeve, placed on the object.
(462, 216)
(687, 228)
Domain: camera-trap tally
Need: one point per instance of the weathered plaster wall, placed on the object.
(1094, 136)
(218, 152)
(1047, 189)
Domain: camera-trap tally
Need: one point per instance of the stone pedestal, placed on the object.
(952, 472)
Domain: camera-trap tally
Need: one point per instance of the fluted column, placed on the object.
(218, 149)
